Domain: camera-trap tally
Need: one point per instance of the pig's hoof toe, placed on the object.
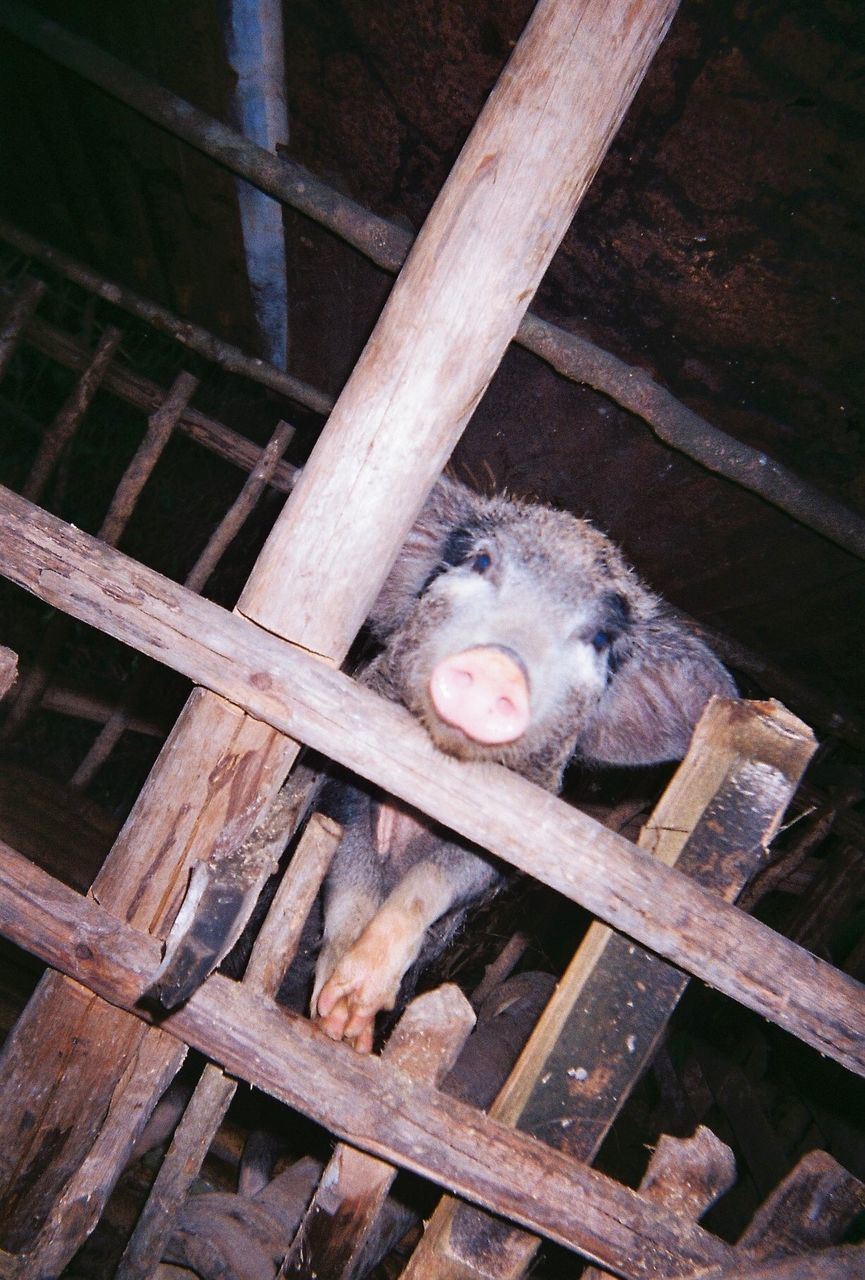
(345, 1021)
(346, 1010)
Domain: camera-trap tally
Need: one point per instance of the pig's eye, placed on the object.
(601, 640)
(481, 562)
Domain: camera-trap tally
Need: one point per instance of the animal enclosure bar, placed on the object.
(388, 245)
(502, 211)
(262, 694)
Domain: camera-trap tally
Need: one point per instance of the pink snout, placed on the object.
(484, 692)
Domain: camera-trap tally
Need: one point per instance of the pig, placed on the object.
(516, 634)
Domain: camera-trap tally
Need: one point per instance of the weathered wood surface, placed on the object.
(360, 1098)
(279, 936)
(454, 308)
(623, 885)
(811, 1208)
(8, 669)
(472, 272)
(273, 950)
(844, 1262)
(180, 1167)
(686, 1175)
(600, 1029)
(333, 1237)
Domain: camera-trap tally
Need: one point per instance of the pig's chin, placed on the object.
(455, 742)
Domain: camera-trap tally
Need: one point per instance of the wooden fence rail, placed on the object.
(308, 700)
(361, 1099)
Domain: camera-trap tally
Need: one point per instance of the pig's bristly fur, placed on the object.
(610, 676)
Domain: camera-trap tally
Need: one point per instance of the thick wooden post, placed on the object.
(470, 277)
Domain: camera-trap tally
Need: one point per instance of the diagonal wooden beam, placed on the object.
(533, 830)
(447, 323)
(362, 1099)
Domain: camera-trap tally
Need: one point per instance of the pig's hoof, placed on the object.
(349, 1001)
(341, 1016)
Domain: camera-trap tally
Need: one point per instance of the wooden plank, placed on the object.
(625, 886)
(360, 1098)
(811, 1208)
(845, 1262)
(474, 267)
(183, 1159)
(603, 1024)
(454, 308)
(333, 1236)
(687, 1175)
(273, 950)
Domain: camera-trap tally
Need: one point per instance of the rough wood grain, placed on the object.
(601, 1028)
(273, 950)
(472, 272)
(305, 697)
(360, 1098)
(456, 305)
(333, 1236)
(687, 1175)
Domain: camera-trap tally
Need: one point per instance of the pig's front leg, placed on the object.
(367, 977)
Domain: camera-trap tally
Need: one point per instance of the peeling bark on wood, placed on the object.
(301, 695)
(602, 1026)
(361, 1099)
(334, 1235)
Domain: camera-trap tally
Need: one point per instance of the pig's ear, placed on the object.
(660, 680)
(449, 507)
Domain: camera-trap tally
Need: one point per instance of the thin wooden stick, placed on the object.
(190, 335)
(144, 394)
(62, 429)
(221, 538)
(306, 698)
(360, 1098)
(388, 246)
(27, 298)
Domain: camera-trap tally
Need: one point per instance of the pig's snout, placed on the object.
(484, 692)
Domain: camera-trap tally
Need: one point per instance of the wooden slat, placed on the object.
(473, 269)
(340, 1221)
(360, 1098)
(625, 886)
(602, 1025)
(273, 950)
(178, 1170)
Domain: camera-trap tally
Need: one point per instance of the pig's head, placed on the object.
(518, 634)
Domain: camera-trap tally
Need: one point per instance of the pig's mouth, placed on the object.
(482, 696)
